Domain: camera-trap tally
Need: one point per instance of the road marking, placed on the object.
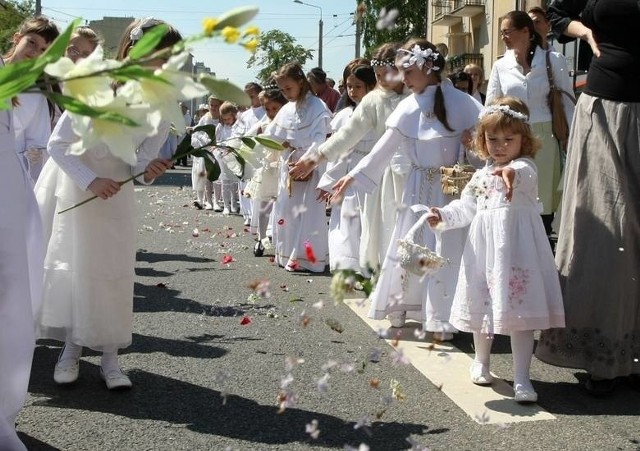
(448, 367)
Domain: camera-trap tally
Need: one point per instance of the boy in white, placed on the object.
(229, 167)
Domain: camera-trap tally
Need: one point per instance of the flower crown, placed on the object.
(270, 87)
(504, 109)
(137, 31)
(421, 58)
(385, 62)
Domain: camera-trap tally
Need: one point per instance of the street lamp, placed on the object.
(319, 30)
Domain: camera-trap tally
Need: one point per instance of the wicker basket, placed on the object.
(417, 259)
(455, 178)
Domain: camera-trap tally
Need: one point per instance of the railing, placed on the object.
(440, 9)
(460, 61)
(457, 4)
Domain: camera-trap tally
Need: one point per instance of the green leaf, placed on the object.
(78, 107)
(184, 148)
(200, 153)
(236, 17)
(249, 142)
(210, 130)
(269, 143)
(225, 90)
(136, 72)
(212, 166)
(147, 44)
(16, 78)
(241, 161)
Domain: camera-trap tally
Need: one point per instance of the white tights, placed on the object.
(72, 352)
(521, 349)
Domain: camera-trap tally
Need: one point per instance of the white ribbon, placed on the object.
(421, 57)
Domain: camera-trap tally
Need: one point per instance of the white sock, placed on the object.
(70, 353)
(522, 350)
(110, 362)
(482, 344)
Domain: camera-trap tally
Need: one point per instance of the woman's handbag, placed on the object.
(559, 124)
(417, 259)
(455, 178)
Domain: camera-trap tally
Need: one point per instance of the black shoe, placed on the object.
(258, 249)
(600, 387)
(197, 204)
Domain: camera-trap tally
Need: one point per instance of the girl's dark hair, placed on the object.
(459, 76)
(39, 25)
(520, 20)
(253, 86)
(171, 37)
(294, 71)
(438, 107)
(349, 70)
(274, 95)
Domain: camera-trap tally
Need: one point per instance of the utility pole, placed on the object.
(358, 32)
(38, 7)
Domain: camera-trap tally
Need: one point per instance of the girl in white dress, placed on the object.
(32, 113)
(345, 225)
(427, 126)
(508, 282)
(89, 263)
(300, 230)
(208, 194)
(380, 206)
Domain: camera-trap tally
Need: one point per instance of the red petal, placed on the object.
(227, 259)
(281, 222)
(245, 320)
(311, 256)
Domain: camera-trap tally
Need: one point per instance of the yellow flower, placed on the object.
(251, 45)
(230, 34)
(209, 25)
(252, 31)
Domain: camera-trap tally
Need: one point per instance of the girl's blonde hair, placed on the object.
(494, 119)
(88, 34)
(171, 37)
(294, 71)
(228, 108)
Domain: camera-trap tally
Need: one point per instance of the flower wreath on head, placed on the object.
(504, 109)
(137, 32)
(385, 62)
(421, 58)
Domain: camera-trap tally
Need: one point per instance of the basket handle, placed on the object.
(417, 208)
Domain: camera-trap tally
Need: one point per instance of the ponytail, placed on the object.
(439, 108)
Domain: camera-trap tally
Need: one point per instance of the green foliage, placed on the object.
(277, 48)
(148, 42)
(411, 22)
(225, 90)
(12, 13)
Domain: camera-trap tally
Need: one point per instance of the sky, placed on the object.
(229, 61)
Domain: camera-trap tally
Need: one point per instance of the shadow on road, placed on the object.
(201, 409)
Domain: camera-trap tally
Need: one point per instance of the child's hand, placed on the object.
(104, 188)
(434, 218)
(156, 168)
(508, 174)
(302, 168)
(323, 195)
(340, 188)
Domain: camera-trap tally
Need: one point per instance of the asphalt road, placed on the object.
(208, 361)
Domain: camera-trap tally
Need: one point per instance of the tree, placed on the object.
(411, 22)
(277, 48)
(12, 13)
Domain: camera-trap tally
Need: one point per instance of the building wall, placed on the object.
(110, 30)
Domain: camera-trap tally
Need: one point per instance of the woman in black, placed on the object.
(598, 253)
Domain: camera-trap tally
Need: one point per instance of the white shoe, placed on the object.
(443, 336)
(480, 374)
(216, 206)
(525, 395)
(397, 319)
(66, 371)
(247, 221)
(116, 379)
(208, 206)
(225, 211)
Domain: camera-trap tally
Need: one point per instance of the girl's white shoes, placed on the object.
(397, 319)
(66, 371)
(116, 379)
(480, 374)
(525, 395)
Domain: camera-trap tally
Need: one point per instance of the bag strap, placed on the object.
(551, 80)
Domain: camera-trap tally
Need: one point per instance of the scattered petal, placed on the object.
(312, 429)
(227, 259)
(195, 233)
(245, 320)
(334, 325)
(374, 382)
(318, 305)
(322, 384)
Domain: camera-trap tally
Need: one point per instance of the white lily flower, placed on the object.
(122, 143)
(166, 96)
(94, 91)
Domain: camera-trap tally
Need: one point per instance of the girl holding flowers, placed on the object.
(89, 264)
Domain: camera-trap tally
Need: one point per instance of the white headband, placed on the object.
(504, 109)
(421, 57)
(137, 32)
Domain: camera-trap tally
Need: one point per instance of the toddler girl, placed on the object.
(508, 283)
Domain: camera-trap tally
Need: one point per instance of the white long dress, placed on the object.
(21, 255)
(508, 278)
(198, 169)
(299, 218)
(380, 206)
(32, 128)
(90, 259)
(428, 145)
(345, 223)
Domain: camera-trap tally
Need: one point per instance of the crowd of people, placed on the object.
(372, 153)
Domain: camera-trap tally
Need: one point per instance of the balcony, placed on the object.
(442, 14)
(459, 61)
(467, 8)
